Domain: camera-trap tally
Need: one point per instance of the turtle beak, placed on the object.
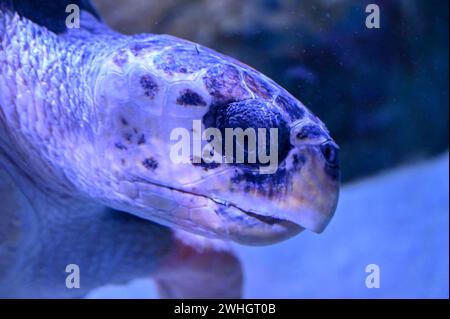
(267, 214)
(255, 209)
(312, 201)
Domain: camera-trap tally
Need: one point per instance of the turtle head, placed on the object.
(190, 138)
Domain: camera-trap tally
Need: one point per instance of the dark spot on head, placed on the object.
(124, 121)
(206, 166)
(128, 136)
(146, 44)
(136, 48)
(150, 163)
(292, 107)
(123, 162)
(149, 85)
(120, 58)
(259, 86)
(183, 59)
(209, 119)
(120, 146)
(255, 178)
(224, 83)
(141, 139)
(309, 132)
(268, 185)
(189, 97)
(298, 161)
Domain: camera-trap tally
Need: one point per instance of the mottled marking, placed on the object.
(149, 85)
(183, 60)
(310, 131)
(150, 163)
(124, 121)
(224, 83)
(267, 185)
(121, 58)
(189, 97)
(120, 146)
(259, 86)
(128, 136)
(141, 139)
(210, 117)
(298, 161)
(148, 45)
(136, 48)
(206, 166)
(290, 106)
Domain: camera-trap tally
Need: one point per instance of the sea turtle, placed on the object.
(87, 117)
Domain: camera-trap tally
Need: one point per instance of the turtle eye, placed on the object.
(330, 152)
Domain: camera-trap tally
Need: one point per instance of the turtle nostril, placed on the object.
(330, 152)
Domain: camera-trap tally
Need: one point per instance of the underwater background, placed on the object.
(383, 93)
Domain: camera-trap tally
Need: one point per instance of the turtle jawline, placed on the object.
(262, 218)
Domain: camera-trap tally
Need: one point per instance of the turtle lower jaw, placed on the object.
(213, 217)
(256, 229)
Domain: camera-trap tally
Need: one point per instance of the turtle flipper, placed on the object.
(40, 238)
(198, 267)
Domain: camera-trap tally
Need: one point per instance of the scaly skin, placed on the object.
(46, 223)
(85, 123)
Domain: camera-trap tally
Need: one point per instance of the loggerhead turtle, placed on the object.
(86, 177)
